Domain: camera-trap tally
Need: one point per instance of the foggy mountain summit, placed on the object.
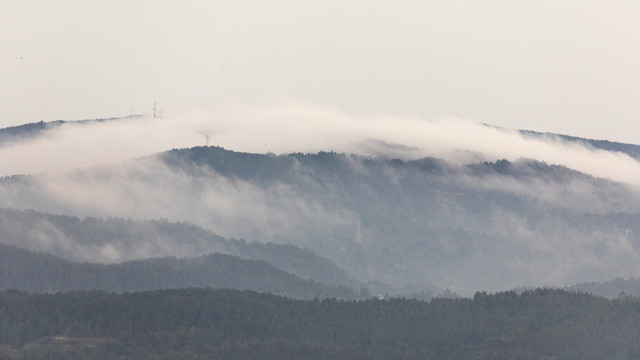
(287, 127)
(399, 220)
(351, 152)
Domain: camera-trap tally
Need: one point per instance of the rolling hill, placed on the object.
(92, 240)
(38, 272)
(417, 224)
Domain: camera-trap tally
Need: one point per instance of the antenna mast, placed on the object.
(154, 109)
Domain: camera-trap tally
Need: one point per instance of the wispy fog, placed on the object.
(461, 228)
(284, 126)
(547, 224)
(148, 189)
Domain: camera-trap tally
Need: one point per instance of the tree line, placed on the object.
(208, 324)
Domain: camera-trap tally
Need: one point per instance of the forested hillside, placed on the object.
(319, 180)
(420, 225)
(430, 220)
(37, 272)
(206, 324)
(115, 240)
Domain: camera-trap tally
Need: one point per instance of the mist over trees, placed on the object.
(432, 220)
(409, 223)
(37, 272)
(343, 231)
(95, 241)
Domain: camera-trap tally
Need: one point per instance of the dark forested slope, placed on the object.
(205, 324)
(25, 270)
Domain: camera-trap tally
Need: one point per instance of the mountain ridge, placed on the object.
(30, 130)
(92, 236)
(22, 269)
(491, 225)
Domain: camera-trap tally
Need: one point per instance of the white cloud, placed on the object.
(147, 189)
(284, 126)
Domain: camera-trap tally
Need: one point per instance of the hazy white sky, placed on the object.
(568, 66)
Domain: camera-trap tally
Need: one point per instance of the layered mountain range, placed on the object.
(372, 223)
